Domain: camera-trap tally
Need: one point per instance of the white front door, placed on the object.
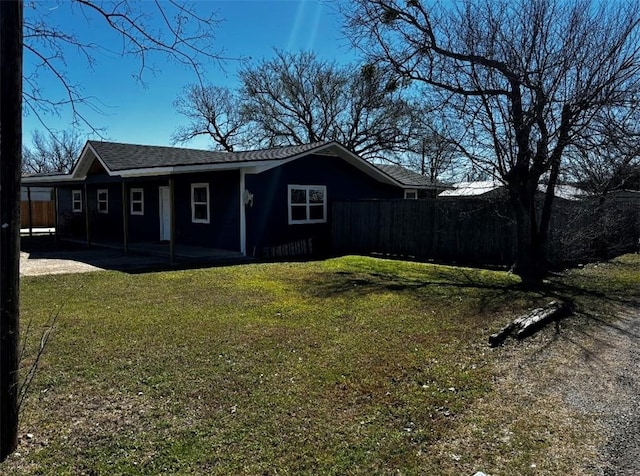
(165, 214)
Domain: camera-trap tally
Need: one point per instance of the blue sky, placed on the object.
(144, 114)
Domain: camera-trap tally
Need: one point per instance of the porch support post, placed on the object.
(172, 225)
(243, 216)
(55, 212)
(87, 221)
(125, 219)
(30, 211)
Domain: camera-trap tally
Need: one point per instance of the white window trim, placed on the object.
(193, 204)
(105, 201)
(307, 188)
(76, 197)
(132, 201)
(411, 190)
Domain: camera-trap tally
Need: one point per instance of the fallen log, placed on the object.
(531, 322)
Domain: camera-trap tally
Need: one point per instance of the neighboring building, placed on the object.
(248, 201)
(36, 194)
(489, 189)
(494, 190)
(624, 196)
(417, 186)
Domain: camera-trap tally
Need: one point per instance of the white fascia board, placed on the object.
(76, 166)
(81, 168)
(39, 179)
(248, 167)
(361, 164)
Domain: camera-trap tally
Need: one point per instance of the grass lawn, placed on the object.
(346, 366)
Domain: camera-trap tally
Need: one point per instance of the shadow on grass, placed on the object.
(593, 299)
(347, 281)
(593, 308)
(486, 293)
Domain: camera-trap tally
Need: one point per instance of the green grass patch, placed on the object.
(350, 365)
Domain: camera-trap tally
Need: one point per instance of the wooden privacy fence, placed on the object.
(42, 214)
(475, 231)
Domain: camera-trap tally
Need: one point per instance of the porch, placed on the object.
(139, 257)
(186, 253)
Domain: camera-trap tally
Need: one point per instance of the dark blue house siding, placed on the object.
(102, 226)
(106, 226)
(70, 224)
(145, 227)
(223, 229)
(267, 220)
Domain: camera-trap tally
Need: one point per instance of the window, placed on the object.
(307, 204)
(103, 200)
(137, 201)
(76, 201)
(411, 194)
(200, 202)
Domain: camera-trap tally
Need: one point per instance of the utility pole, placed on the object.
(11, 12)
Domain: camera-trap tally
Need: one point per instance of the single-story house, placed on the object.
(247, 202)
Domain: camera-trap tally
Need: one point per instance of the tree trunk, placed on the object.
(530, 263)
(10, 167)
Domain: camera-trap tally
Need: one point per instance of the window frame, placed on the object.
(408, 191)
(307, 204)
(76, 198)
(132, 201)
(207, 203)
(105, 201)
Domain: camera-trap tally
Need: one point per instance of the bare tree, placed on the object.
(434, 154)
(299, 99)
(213, 111)
(526, 78)
(185, 36)
(173, 29)
(52, 153)
(607, 159)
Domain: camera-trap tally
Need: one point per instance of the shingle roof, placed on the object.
(472, 189)
(479, 188)
(117, 156)
(405, 176)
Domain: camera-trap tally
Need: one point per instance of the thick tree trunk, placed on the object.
(10, 159)
(530, 263)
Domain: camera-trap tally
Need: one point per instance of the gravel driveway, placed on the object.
(595, 370)
(616, 393)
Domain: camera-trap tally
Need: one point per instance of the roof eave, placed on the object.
(248, 167)
(359, 163)
(46, 180)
